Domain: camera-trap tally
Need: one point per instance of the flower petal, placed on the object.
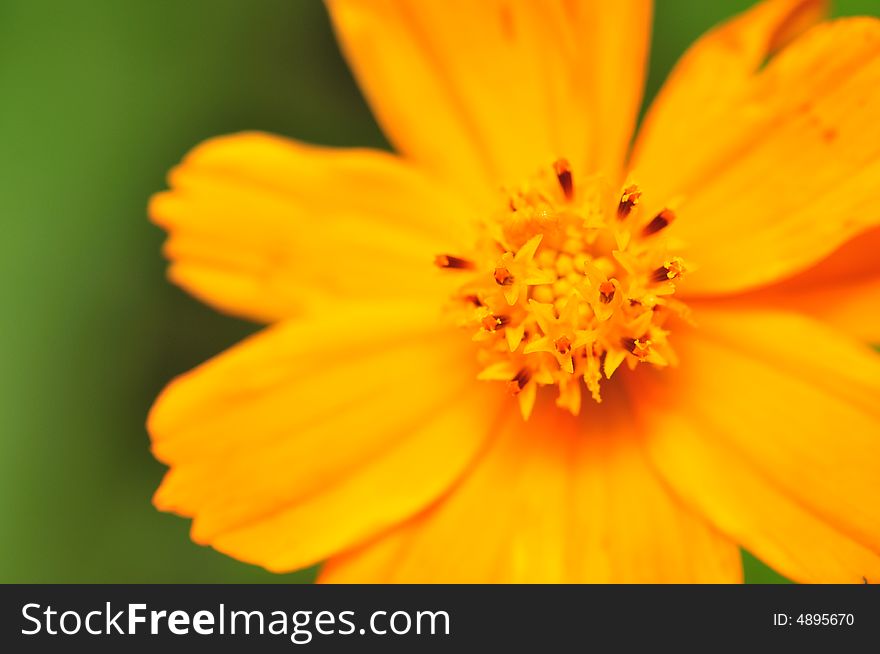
(783, 168)
(259, 225)
(843, 290)
(707, 83)
(487, 92)
(557, 499)
(769, 427)
(318, 433)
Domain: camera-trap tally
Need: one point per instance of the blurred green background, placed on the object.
(99, 100)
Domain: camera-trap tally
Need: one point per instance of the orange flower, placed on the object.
(518, 351)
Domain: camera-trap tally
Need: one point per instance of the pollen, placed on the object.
(567, 284)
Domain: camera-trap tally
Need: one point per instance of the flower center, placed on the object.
(567, 282)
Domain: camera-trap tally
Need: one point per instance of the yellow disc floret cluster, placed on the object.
(567, 283)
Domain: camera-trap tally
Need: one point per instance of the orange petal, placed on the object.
(843, 290)
(258, 224)
(318, 433)
(556, 499)
(489, 91)
(769, 428)
(785, 166)
(707, 83)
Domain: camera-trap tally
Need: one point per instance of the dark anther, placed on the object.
(660, 221)
(563, 174)
(473, 299)
(563, 345)
(521, 379)
(491, 323)
(661, 274)
(503, 277)
(672, 269)
(638, 347)
(606, 292)
(448, 261)
(628, 199)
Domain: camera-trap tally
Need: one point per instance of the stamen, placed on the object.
(503, 277)
(563, 174)
(672, 269)
(451, 262)
(640, 348)
(606, 292)
(660, 274)
(519, 381)
(660, 221)
(563, 345)
(565, 287)
(491, 322)
(629, 199)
